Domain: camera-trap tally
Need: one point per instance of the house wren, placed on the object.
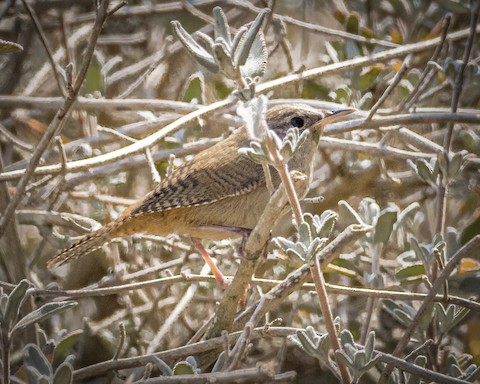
(219, 194)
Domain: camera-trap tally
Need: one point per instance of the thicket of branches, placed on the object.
(372, 278)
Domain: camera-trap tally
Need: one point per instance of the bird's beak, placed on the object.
(333, 116)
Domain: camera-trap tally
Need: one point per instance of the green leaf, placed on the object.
(470, 231)
(307, 342)
(163, 367)
(369, 75)
(425, 171)
(411, 271)
(15, 301)
(455, 165)
(63, 374)
(348, 209)
(256, 63)
(223, 59)
(194, 90)
(243, 48)
(64, 346)
(222, 28)
(369, 345)
(384, 226)
(198, 52)
(183, 368)
(219, 363)
(42, 313)
(95, 78)
(327, 220)
(9, 47)
(239, 36)
(353, 23)
(346, 337)
(34, 357)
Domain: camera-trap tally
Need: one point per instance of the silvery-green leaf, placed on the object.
(237, 39)
(283, 243)
(206, 39)
(258, 158)
(243, 48)
(198, 52)
(348, 209)
(163, 367)
(253, 113)
(326, 223)
(42, 313)
(295, 258)
(191, 360)
(256, 63)
(472, 373)
(34, 357)
(346, 337)
(425, 171)
(370, 209)
(384, 225)
(369, 345)
(63, 374)
(454, 371)
(276, 139)
(287, 150)
(359, 359)
(402, 317)
(409, 212)
(455, 165)
(341, 355)
(443, 161)
(218, 366)
(15, 301)
(221, 26)
(307, 343)
(304, 233)
(301, 249)
(455, 318)
(224, 61)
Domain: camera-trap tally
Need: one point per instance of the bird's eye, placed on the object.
(297, 122)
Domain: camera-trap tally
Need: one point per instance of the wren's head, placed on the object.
(285, 116)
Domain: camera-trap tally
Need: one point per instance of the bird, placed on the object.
(217, 195)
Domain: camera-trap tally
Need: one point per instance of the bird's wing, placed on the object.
(214, 174)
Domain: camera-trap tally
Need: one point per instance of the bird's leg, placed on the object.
(240, 231)
(243, 232)
(213, 267)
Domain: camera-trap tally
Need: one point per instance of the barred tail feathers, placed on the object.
(86, 245)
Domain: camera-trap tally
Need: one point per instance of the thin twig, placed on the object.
(396, 79)
(442, 182)
(457, 90)
(43, 39)
(427, 71)
(319, 282)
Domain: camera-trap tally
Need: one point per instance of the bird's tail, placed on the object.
(88, 244)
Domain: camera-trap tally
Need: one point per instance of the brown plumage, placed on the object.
(218, 194)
